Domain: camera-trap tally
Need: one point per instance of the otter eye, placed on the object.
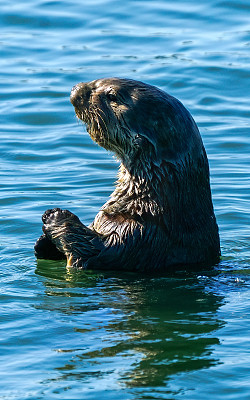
(111, 96)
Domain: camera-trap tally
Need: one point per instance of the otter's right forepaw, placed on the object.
(45, 249)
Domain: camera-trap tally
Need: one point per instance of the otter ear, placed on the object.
(138, 141)
(143, 140)
(159, 152)
(146, 145)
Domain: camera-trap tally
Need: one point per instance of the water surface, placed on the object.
(120, 336)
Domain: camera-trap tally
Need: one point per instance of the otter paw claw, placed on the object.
(77, 263)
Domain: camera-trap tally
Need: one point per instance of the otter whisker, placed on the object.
(98, 113)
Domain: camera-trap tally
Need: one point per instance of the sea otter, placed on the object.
(160, 215)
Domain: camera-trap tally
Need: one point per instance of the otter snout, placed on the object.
(80, 94)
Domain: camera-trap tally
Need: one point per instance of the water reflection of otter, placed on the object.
(153, 331)
(160, 214)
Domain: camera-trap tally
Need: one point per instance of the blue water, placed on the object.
(86, 335)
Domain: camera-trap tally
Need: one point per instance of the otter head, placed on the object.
(140, 123)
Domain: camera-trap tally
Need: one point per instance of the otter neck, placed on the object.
(135, 194)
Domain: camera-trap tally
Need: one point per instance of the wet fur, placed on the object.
(160, 214)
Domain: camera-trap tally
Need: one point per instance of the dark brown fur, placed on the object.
(160, 214)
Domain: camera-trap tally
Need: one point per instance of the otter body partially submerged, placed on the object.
(160, 214)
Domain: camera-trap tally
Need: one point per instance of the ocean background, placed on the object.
(89, 335)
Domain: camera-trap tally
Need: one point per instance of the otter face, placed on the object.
(103, 105)
(139, 122)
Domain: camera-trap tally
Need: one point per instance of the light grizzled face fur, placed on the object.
(103, 106)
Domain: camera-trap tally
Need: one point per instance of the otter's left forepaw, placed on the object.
(56, 216)
(58, 225)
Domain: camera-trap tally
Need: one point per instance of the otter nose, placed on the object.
(79, 94)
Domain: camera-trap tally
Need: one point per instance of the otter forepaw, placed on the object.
(70, 236)
(57, 216)
(58, 226)
(45, 249)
